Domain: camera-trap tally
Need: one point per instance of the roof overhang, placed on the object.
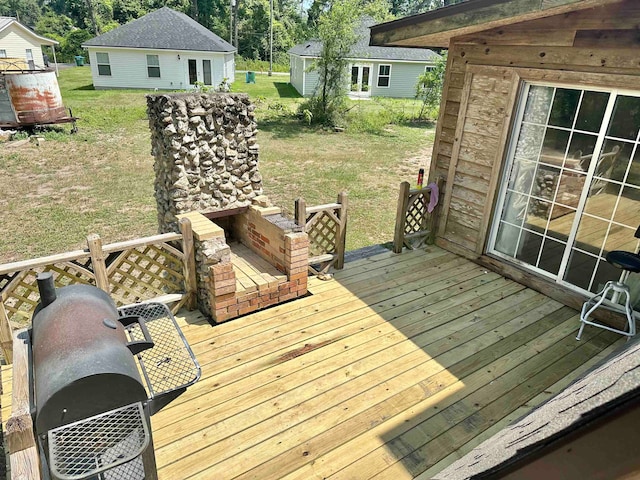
(31, 33)
(437, 27)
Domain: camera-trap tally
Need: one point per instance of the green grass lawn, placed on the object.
(101, 179)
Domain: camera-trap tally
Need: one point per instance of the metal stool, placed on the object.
(628, 262)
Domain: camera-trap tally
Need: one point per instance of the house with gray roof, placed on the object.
(164, 49)
(373, 71)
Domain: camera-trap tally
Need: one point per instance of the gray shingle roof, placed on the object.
(5, 21)
(362, 49)
(163, 29)
(604, 389)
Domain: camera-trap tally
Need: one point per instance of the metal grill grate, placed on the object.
(102, 442)
(170, 364)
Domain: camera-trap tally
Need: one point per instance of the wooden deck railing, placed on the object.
(415, 226)
(326, 226)
(160, 268)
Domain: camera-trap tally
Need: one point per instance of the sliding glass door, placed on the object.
(571, 191)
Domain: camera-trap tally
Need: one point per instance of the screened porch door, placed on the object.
(571, 191)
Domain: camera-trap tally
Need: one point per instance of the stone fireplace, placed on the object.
(249, 255)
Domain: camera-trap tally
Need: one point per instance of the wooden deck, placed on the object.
(390, 371)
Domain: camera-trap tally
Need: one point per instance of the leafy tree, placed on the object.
(425, 5)
(126, 10)
(51, 24)
(429, 86)
(26, 11)
(336, 32)
(70, 46)
(379, 10)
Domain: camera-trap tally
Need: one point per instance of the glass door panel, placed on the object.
(572, 184)
(366, 75)
(612, 208)
(193, 71)
(354, 78)
(206, 72)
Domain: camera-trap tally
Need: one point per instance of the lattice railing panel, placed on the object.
(416, 217)
(20, 289)
(322, 229)
(415, 224)
(144, 273)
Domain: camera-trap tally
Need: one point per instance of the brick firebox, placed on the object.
(267, 233)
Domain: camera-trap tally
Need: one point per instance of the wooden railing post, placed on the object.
(98, 261)
(301, 212)
(6, 336)
(341, 234)
(188, 262)
(401, 213)
(20, 438)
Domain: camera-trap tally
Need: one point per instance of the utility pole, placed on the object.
(270, 37)
(233, 4)
(235, 14)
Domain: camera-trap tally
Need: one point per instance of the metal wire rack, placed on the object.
(112, 441)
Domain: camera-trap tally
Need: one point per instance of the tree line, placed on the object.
(243, 22)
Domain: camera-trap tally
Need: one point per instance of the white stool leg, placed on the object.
(629, 312)
(586, 311)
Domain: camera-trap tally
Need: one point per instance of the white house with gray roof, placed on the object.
(373, 71)
(164, 49)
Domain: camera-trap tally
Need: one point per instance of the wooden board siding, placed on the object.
(482, 117)
(595, 47)
(392, 370)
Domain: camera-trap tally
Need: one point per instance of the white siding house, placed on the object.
(164, 50)
(373, 71)
(19, 42)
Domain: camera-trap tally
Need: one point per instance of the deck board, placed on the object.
(393, 369)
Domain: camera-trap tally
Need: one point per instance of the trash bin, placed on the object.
(79, 60)
(250, 77)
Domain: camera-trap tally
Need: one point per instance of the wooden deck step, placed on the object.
(252, 271)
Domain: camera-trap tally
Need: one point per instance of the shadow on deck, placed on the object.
(392, 370)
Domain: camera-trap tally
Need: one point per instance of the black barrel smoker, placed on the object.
(89, 359)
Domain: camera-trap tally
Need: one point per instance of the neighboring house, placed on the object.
(373, 71)
(164, 49)
(538, 143)
(22, 44)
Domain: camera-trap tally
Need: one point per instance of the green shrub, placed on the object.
(259, 65)
(333, 115)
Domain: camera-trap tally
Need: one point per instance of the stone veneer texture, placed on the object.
(206, 153)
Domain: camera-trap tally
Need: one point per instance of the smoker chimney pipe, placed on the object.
(47, 288)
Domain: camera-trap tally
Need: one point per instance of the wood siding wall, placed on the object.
(596, 47)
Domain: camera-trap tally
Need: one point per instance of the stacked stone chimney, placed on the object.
(206, 153)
